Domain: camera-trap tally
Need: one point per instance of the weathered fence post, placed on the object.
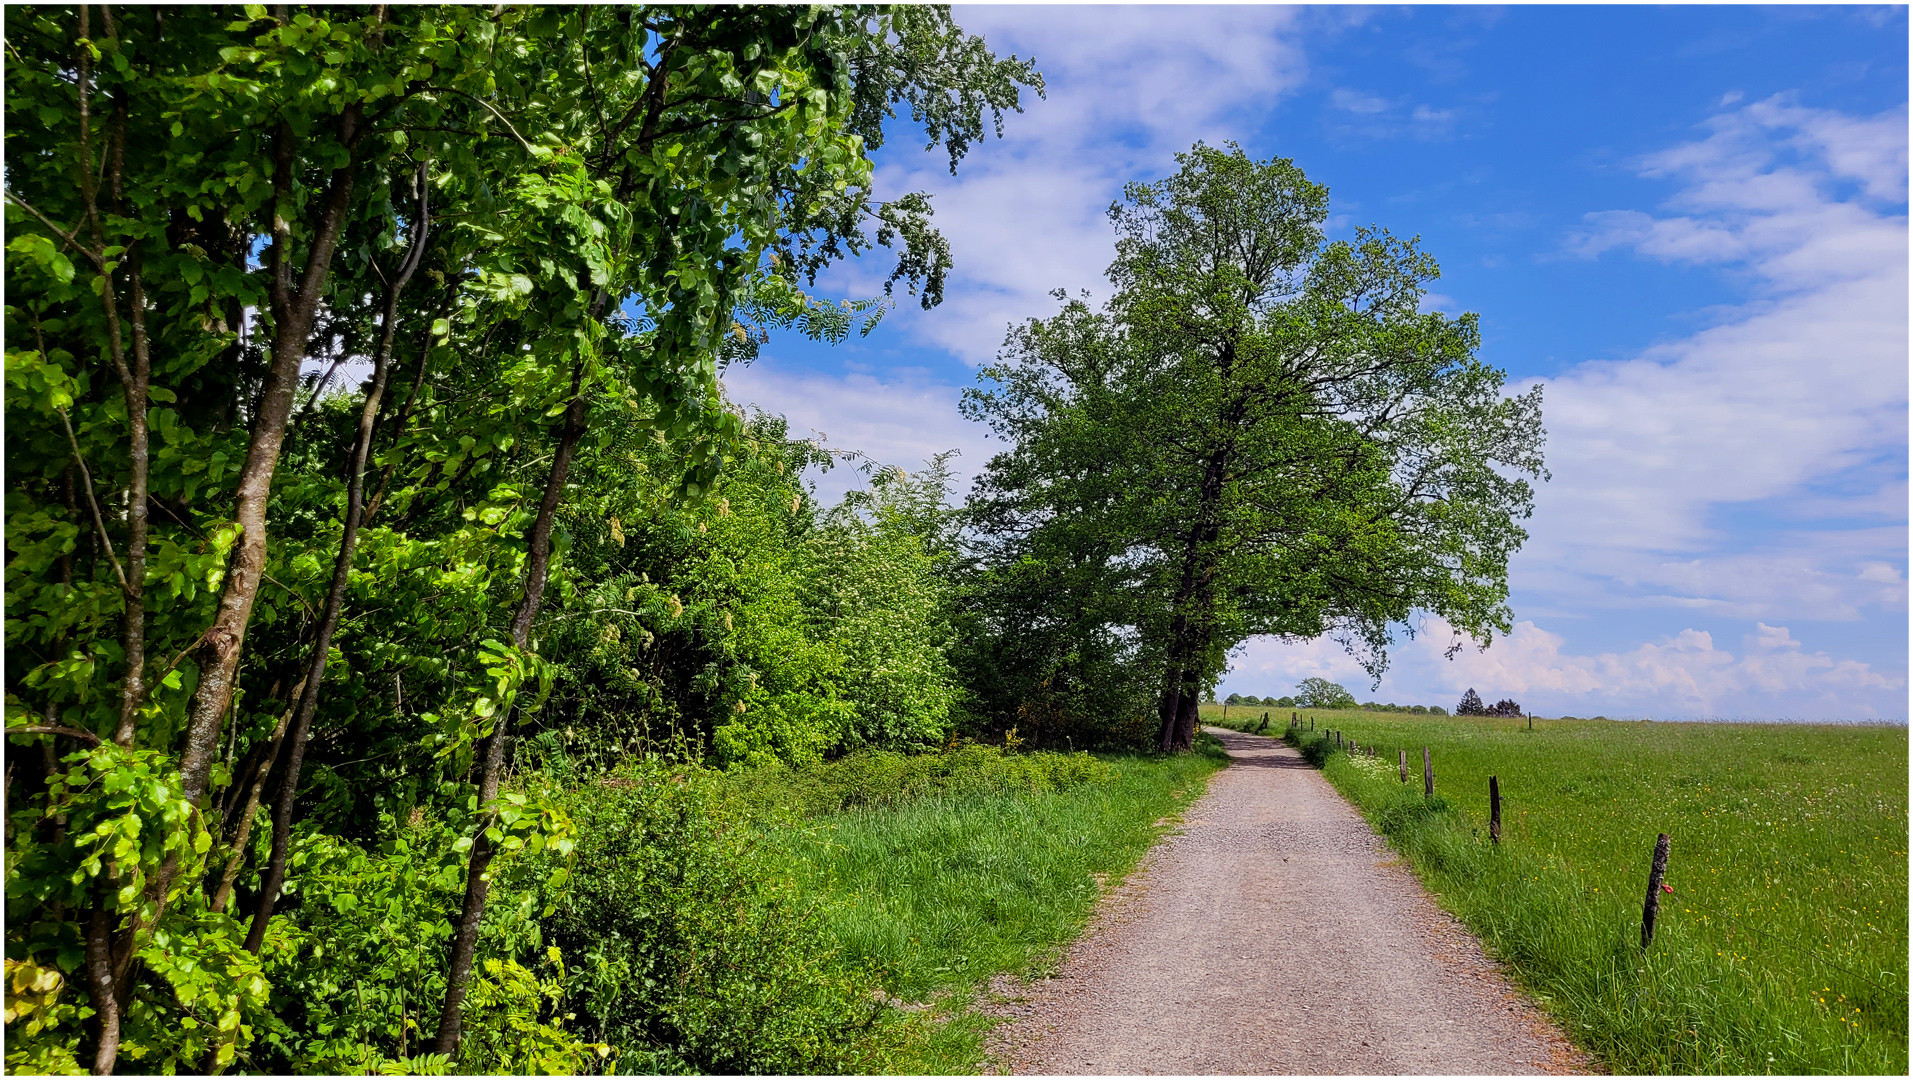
(1652, 907)
(1427, 773)
(1404, 766)
(1494, 810)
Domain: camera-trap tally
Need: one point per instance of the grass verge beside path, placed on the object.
(942, 874)
(1782, 947)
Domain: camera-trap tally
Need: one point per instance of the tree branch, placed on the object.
(86, 481)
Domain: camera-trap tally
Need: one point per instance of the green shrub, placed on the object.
(692, 950)
(358, 966)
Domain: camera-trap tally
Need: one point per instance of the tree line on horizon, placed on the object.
(1319, 693)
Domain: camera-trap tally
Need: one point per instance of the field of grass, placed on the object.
(943, 872)
(1783, 945)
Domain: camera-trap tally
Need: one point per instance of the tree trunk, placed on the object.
(1192, 604)
(103, 981)
(295, 746)
(458, 967)
(293, 311)
(102, 990)
(256, 784)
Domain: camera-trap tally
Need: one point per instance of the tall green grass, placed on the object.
(1783, 946)
(940, 871)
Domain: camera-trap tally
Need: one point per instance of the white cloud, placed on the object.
(893, 420)
(1129, 86)
(1804, 384)
(1374, 117)
(1682, 675)
(1357, 102)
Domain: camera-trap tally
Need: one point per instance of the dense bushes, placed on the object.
(752, 625)
(691, 949)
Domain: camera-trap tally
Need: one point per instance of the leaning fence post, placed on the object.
(1652, 907)
(1494, 810)
(1427, 773)
(1404, 766)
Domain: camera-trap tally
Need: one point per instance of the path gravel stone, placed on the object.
(1275, 933)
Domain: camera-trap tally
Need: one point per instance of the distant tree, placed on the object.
(1506, 707)
(1470, 704)
(1284, 702)
(1235, 699)
(1322, 694)
(1419, 710)
(1436, 710)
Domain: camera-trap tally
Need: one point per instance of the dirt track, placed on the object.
(1275, 934)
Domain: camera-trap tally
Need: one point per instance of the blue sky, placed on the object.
(1690, 223)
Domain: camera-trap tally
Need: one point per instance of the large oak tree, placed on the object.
(1261, 433)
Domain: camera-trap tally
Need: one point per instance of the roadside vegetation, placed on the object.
(938, 888)
(1782, 945)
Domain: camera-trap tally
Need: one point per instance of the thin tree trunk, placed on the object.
(102, 989)
(295, 747)
(222, 895)
(1171, 708)
(293, 311)
(458, 968)
(133, 692)
(404, 414)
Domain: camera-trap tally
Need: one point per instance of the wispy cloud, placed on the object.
(1355, 114)
(1796, 400)
(893, 420)
(1129, 87)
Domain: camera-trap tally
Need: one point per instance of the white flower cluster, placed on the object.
(1376, 767)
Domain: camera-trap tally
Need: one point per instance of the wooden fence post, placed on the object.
(1427, 773)
(1494, 810)
(1404, 766)
(1652, 907)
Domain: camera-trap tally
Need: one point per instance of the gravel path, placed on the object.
(1276, 933)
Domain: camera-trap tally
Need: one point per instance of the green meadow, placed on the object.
(1782, 947)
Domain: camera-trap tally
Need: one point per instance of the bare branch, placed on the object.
(54, 729)
(86, 482)
(64, 234)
